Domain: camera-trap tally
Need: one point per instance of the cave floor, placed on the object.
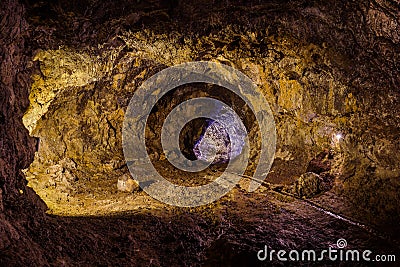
(228, 232)
(135, 229)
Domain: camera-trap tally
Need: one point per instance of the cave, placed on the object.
(199, 133)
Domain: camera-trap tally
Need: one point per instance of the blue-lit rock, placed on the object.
(216, 141)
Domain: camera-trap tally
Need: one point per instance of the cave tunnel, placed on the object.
(323, 120)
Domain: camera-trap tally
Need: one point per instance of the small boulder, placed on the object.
(308, 185)
(127, 184)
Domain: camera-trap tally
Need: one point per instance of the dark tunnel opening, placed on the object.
(200, 138)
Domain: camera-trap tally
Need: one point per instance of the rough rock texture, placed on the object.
(325, 67)
(217, 140)
(308, 185)
(214, 145)
(127, 184)
(19, 204)
(321, 78)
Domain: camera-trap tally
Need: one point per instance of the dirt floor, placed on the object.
(229, 232)
(110, 227)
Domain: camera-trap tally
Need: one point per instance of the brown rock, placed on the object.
(308, 185)
(127, 184)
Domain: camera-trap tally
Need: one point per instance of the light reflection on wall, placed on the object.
(215, 140)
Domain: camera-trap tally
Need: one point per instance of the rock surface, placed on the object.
(308, 185)
(311, 86)
(19, 204)
(225, 140)
(325, 68)
(127, 184)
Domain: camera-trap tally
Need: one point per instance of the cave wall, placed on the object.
(360, 40)
(80, 118)
(325, 68)
(19, 204)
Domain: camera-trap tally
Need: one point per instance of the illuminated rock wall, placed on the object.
(320, 81)
(325, 68)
